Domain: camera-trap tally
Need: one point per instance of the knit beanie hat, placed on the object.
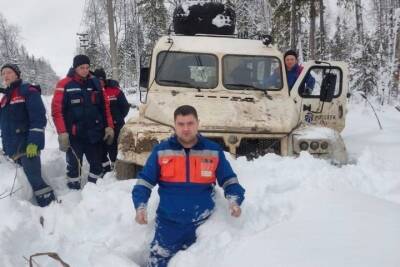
(80, 60)
(12, 66)
(100, 74)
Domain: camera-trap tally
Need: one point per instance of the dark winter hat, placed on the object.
(290, 53)
(100, 73)
(12, 66)
(80, 60)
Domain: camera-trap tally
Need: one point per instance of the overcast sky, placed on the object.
(47, 28)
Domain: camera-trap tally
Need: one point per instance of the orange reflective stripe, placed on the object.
(203, 167)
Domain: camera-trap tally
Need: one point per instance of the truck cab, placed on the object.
(240, 91)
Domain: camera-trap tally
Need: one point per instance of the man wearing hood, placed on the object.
(81, 114)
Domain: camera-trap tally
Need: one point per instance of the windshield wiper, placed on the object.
(247, 87)
(181, 83)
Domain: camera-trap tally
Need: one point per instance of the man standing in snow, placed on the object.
(22, 123)
(82, 116)
(119, 109)
(186, 168)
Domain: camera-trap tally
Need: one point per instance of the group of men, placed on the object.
(88, 111)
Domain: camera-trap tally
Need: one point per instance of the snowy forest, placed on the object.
(365, 34)
(34, 70)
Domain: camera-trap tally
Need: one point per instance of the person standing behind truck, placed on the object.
(293, 71)
(119, 107)
(186, 168)
(22, 123)
(81, 114)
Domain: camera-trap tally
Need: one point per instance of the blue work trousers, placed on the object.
(169, 238)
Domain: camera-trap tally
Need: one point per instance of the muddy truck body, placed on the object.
(240, 90)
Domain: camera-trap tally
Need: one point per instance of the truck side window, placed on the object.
(310, 87)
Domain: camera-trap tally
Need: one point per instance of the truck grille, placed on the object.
(220, 141)
(252, 148)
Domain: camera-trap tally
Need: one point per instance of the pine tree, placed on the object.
(154, 16)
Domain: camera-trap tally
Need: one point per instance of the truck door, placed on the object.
(320, 93)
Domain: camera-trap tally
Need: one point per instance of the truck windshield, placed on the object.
(252, 73)
(191, 70)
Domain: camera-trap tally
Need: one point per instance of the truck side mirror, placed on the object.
(328, 86)
(144, 77)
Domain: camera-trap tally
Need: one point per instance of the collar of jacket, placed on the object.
(293, 69)
(13, 85)
(74, 76)
(173, 140)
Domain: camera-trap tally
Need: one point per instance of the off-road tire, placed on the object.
(126, 170)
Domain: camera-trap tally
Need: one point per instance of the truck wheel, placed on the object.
(126, 170)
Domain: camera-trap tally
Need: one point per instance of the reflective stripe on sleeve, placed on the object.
(233, 180)
(144, 183)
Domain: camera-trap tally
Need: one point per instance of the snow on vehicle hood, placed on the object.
(227, 112)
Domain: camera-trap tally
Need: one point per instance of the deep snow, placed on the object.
(297, 212)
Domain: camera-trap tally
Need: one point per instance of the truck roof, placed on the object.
(216, 45)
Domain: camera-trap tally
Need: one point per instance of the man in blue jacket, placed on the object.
(22, 122)
(293, 71)
(185, 167)
(82, 117)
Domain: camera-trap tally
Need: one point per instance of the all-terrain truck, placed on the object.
(240, 90)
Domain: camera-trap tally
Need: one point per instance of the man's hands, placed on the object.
(235, 209)
(108, 135)
(63, 141)
(141, 216)
(32, 150)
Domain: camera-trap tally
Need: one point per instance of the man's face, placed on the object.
(82, 70)
(8, 76)
(290, 61)
(186, 128)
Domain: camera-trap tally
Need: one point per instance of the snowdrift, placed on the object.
(297, 212)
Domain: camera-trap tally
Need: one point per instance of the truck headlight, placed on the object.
(303, 145)
(314, 145)
(324, 145)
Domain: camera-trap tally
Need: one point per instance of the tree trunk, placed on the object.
(395, 31)
(293, 27)
(322, 29)
(113, 43)
(359, 21)
(312, 30)
(137, 48)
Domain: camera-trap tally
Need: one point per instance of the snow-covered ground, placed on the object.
(297, 212)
